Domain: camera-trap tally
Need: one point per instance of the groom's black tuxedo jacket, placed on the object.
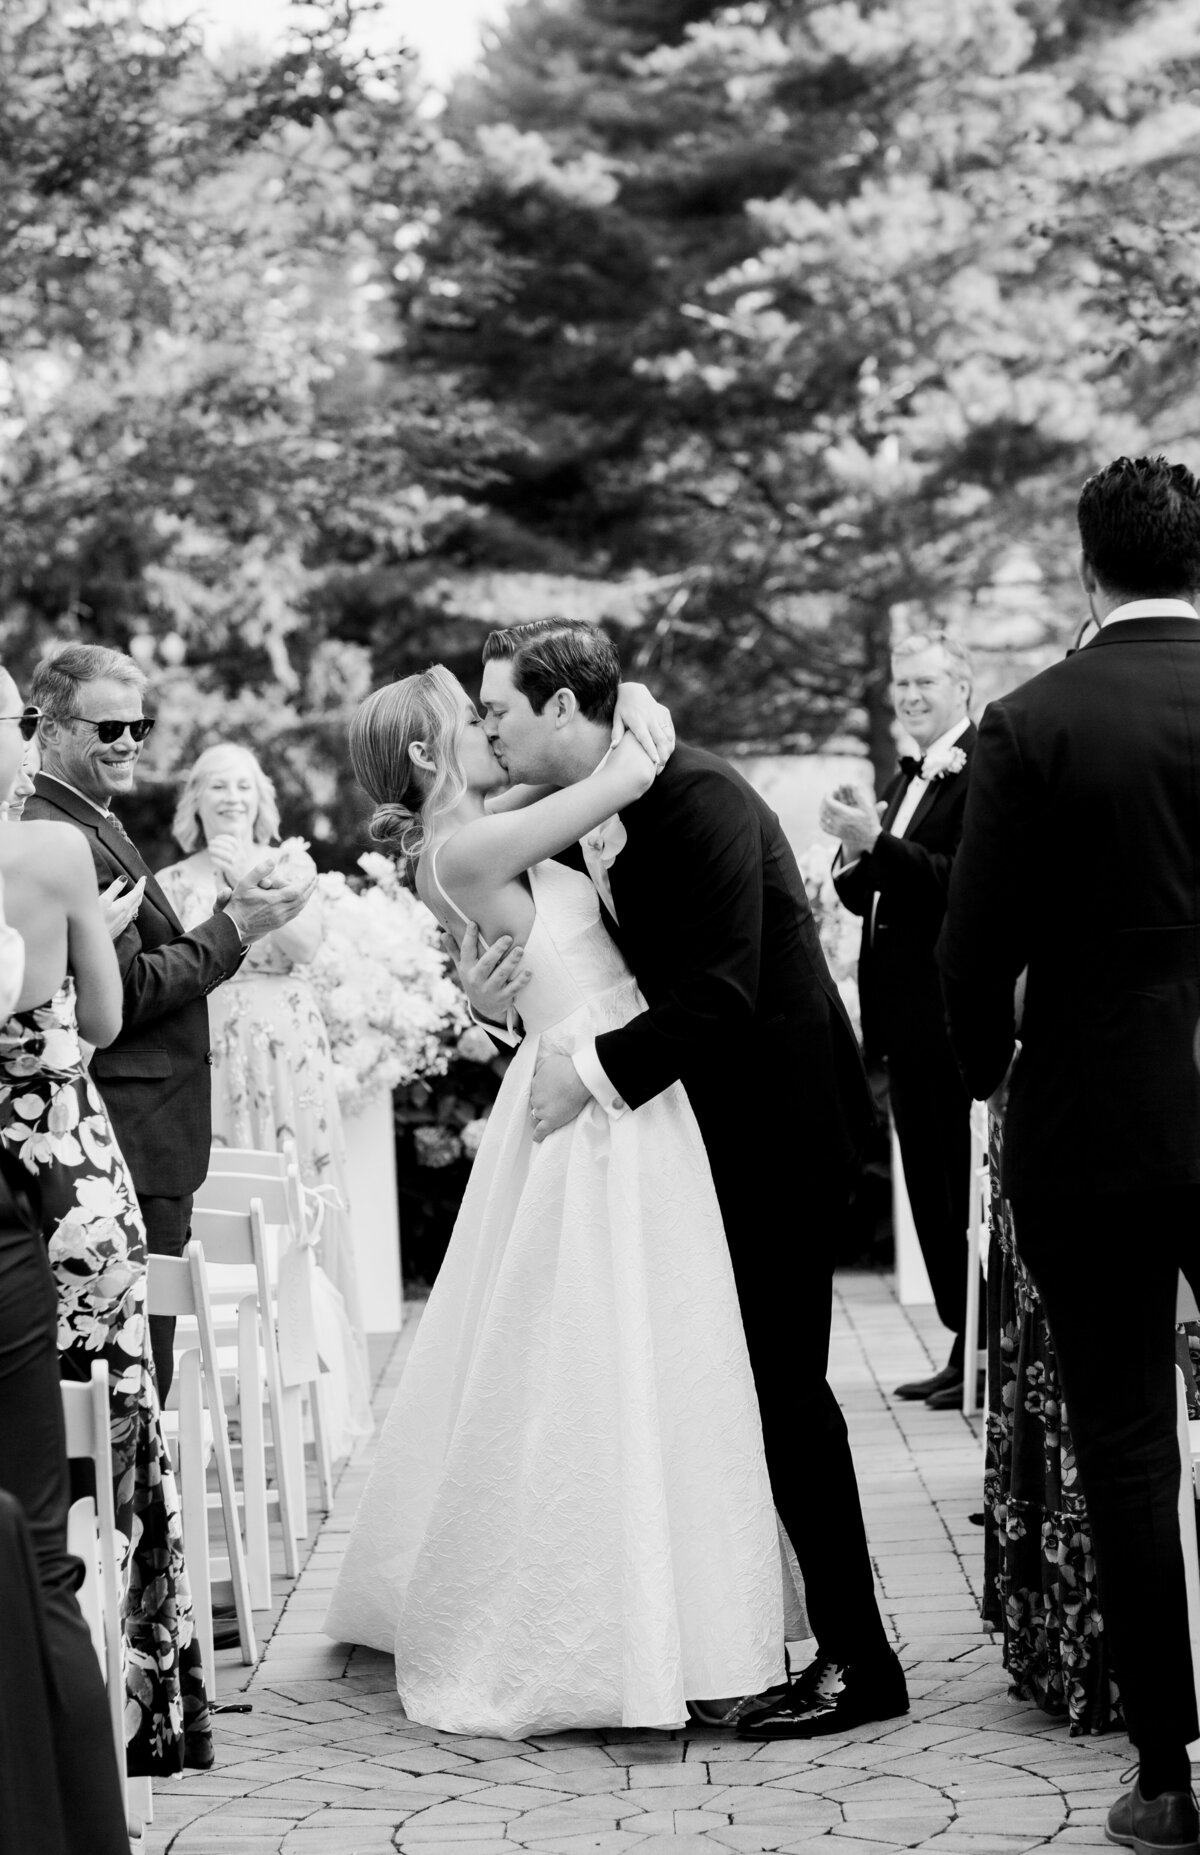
(155, 1076)
(899, 987)
(1080, 859)
(713, 917)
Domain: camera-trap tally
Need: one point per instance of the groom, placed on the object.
(702, 893)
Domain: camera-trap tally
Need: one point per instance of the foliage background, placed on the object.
(755, 332)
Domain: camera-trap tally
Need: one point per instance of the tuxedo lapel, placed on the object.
(938, 788)
(891, 801)
(124, 851)
(117, 847)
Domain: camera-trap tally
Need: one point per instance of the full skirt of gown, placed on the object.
(569, 1522)
(54, 1123)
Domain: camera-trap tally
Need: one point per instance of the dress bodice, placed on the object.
(573, 960)
(42, 1040)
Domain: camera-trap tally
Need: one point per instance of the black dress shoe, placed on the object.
(830, 1697)
(950, 1397)
(1169, 1823)
(920, 1388)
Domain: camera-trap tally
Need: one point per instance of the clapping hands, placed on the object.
(848, 814)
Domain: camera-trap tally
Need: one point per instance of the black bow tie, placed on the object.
(910, 767)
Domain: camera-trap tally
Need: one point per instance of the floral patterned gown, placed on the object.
(54, 1123)
(273, 1083)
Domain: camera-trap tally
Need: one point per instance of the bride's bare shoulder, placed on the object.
(58, 854)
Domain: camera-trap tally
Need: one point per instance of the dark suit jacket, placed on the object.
(1080, 859)
(155, 1077)
(715, 922)
(899, 987)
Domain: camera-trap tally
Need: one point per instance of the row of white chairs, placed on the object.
(223, 1294)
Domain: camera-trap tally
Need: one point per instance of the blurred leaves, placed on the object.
(756, 333)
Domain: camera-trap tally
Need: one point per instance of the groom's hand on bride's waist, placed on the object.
(557, 1096)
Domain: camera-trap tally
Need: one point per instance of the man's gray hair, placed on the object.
(54, 687)
(956, 654)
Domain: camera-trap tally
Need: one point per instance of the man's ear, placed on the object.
(1087, 575)
(565, 707)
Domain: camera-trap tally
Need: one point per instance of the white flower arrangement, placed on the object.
(840, 932)
(392, 1010)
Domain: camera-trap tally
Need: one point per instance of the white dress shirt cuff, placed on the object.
(590, 1072)
(506, 1032)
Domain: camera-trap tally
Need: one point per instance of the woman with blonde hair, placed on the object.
(272, 1068)
(568, 1522)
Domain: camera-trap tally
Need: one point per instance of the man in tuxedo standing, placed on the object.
(1080, 864)
(155, 1077)
(701, 892)
(895, 875)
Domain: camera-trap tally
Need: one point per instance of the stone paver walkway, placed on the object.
(326, 1764)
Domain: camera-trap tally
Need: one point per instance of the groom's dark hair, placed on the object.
(1139, 522)
(559, 653)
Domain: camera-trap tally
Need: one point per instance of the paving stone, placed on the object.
(611, 1842)
(666, 1775)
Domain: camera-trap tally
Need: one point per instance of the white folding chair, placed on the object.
(178, 1286)
(235, 1176)
(235, 1245)
(978, 1236)
(1189, 1459)
(92, 1537)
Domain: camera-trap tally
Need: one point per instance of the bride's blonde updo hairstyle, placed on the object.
(426, 709)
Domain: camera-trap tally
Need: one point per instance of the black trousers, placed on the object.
(47, 1668)
(932, 1115)
(168, 1225)
(783, 1241)
(1107, 1270)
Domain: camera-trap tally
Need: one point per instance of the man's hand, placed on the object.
(558, 1095)
(848, 814)
(491, 978)
(647, 720)
(260, 902)
(119, 909)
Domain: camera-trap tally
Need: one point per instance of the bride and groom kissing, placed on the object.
(619, 1378)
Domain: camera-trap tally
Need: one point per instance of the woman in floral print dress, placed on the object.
(54, 1125)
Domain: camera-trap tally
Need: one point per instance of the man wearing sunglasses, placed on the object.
(155, 1077)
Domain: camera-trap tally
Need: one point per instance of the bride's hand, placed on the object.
(647, 720)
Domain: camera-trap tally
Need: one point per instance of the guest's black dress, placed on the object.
(1039, 1572)
(54, 1125)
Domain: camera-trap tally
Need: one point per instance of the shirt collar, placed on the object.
(102, 809)
(1150, 608)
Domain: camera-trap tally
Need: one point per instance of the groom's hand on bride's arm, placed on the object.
(558, 1095)
(492, 977)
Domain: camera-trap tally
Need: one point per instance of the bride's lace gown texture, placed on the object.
(53, 1121)
(569, 1521)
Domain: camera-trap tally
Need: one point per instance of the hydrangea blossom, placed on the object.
(392, 1010)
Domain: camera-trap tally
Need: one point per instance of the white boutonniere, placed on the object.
(944, 765)
(607, 841)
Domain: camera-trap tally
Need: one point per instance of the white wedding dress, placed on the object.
(568, 1522)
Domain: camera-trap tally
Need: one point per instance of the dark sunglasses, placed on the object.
(110, 731)
(26, 721)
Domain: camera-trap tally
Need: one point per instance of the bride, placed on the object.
(569, 1521)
